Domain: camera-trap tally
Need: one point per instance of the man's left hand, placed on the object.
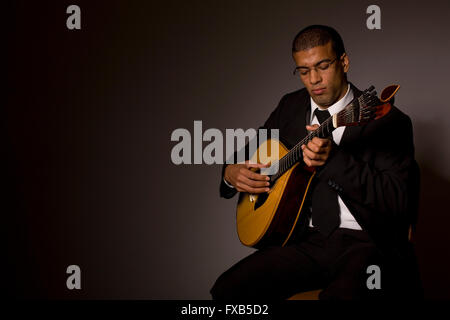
(317, 151)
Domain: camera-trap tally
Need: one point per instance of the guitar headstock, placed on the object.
(362, 109)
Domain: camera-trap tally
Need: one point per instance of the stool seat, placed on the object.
(307, 295)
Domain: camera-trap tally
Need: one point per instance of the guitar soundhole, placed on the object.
(262, 197)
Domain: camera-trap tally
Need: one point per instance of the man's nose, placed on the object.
(314, 77)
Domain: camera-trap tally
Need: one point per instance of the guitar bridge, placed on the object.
(251, 197)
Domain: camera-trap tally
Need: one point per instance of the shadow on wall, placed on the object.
(432, 236)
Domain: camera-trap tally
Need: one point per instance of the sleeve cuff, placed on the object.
(229, 185)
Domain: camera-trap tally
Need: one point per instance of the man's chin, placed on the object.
(322, 101)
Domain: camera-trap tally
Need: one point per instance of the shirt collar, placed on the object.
(337, 106)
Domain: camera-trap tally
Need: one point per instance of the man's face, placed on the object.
(325, 82)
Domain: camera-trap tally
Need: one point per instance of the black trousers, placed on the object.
(337, 264)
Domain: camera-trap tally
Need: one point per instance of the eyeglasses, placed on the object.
(320, 67)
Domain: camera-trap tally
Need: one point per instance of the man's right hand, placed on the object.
(246, 180)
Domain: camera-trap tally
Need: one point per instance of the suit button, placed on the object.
(330, 183)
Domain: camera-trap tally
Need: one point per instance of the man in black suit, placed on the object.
(362, 203)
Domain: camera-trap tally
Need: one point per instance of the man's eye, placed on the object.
(323, 66)
(304, 72)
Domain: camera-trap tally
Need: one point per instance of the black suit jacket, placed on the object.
(373, 170)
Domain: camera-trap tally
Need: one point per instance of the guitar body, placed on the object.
(270, 218)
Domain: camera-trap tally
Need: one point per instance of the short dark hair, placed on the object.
(318, 35)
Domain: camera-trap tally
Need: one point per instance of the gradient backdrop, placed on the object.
(88, 117)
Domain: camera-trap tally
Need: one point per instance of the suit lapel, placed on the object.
(294, 130)
(350, 135)
(307, 114)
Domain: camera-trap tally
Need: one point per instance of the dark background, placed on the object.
(86, 126)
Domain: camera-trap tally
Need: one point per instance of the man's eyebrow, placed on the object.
(305, 67)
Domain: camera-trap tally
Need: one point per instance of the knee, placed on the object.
(221, 289)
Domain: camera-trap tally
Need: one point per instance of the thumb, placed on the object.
(257, 165)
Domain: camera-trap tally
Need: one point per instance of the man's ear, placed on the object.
(345, 62)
